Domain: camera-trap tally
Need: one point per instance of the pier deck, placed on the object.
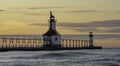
(47, 49)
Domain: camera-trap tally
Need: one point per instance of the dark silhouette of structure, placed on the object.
(51, 41)
(91, 39)
(52, 38)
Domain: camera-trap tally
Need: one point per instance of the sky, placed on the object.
(73, 16)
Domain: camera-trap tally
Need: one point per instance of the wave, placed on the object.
(104, 57)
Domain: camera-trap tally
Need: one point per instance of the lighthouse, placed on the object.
(52, 38)
(91, 39)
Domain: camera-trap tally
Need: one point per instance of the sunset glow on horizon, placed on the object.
(73, 17)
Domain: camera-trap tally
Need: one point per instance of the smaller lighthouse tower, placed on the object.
(52, 38)
(91, 39)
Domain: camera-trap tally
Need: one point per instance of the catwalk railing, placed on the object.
(37, 43)
(75, 43)
(20, 42)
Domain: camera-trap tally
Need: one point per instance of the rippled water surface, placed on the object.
(104, 57)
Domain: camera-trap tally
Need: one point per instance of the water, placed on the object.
(100, 57)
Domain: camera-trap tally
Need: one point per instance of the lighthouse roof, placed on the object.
(51, 33)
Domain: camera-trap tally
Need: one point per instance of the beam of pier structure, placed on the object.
(35, 41)
(70, 44)
(16, 42)
(87, 43)
(10, 41)
(20, 41)
(4, 42)
(66, 43)
(24, 41)
(82, 45)
(34, 45)
(9, 45)
(74, 42)
(62, 42)
(2, 46)
(13, 46)
(40, 43)
(27, 44)
(78, 43)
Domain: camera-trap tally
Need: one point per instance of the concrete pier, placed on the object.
(29, 44)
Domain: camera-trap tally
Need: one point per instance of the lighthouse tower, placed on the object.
(52, 38)
(91, 39)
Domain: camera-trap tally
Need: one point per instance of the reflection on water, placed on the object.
(104, 57)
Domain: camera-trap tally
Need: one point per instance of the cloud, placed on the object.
(18, 27)
(112, 26)
(44, 7)
(86, 11)
(117, 11)
(1, 10)
(92, 11)
(32, 13)
(35, 14)
(105, 23)
(39, 24)
(117, 30)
